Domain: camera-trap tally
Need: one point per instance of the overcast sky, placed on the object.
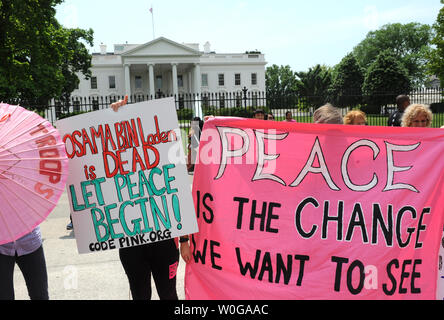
(295, 32)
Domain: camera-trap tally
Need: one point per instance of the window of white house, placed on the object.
(237, 79)
(254, 78)
(112, 82)
(93, 82)
(180, 81)
(138, 82)
(204, 80)
(158, 82)
(221, 78)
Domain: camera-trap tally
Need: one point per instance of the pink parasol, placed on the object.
(33, 171)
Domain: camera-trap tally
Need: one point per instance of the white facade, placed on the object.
(168, 68)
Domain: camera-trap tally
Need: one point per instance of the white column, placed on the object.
(197, 90)
(127, 80)
(151, 80)
(190, 82)
(197, 78)
(175, 89)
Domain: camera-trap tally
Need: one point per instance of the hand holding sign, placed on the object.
(116, 105)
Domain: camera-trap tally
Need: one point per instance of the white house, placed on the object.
(164, 67)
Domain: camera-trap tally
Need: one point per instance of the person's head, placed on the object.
(417, 115)
(288, 115)
(355, 117)
(270, 116)
(402, 101)
(259, 114)
(328, 114)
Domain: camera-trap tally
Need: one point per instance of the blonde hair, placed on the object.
(412, 111)
(328, 114)
(352, 115)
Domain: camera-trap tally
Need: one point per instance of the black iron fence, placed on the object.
(240, 104)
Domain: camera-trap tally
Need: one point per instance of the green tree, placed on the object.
(386, 78)
(281, 85)
(346, 87)
(38, 57)
(436, 55)
(313, 85)
(410, 43)
(76, 60)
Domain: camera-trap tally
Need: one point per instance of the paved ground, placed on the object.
(71, 276)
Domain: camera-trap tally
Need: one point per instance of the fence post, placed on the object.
(244, 90)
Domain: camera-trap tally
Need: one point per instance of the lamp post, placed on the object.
(244, 90)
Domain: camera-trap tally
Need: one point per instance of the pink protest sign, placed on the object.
(306, 211)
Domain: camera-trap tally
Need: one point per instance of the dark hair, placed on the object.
(258, 111)
(400, 101)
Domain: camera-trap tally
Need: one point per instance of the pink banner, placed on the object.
(304, 211)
